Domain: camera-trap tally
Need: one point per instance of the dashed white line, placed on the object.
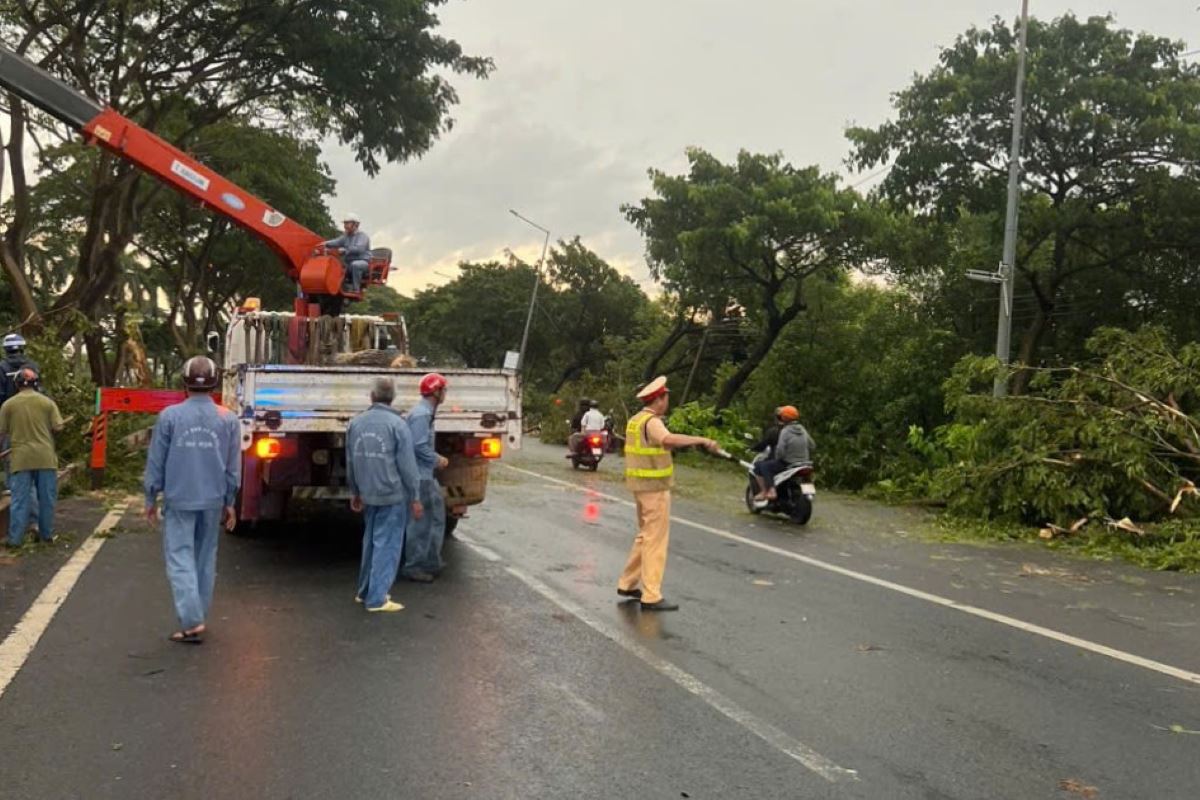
(15, 649)
(946, 602)
(786, 744)
(487, 553)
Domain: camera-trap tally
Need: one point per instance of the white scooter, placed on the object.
(794, 491)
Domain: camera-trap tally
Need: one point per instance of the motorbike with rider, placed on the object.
(589, 436)
(780, 480)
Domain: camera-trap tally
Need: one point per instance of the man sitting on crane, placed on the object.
(356, 252)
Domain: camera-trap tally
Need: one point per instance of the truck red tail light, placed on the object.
(267, 448)
(481, 448)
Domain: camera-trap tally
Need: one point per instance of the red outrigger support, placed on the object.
(133, 401)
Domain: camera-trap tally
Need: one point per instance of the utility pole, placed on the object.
(1006, 274)
(687, 387)
(533, 295)
(1008, 265)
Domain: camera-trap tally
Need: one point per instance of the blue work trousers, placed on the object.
(25, 485)
(190, 545)
(383, 542)
(423, 539)
(356, 273)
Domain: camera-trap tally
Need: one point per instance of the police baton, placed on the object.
(728, 456)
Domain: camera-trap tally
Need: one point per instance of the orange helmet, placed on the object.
(788, 413)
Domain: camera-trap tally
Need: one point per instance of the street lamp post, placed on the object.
(532, 295)
(1008, 265)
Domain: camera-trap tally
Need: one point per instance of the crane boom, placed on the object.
(319, 275)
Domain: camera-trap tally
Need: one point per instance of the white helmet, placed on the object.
(352, 217)
(14, 343)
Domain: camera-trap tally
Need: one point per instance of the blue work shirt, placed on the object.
(357, 245)
(195, 456)
(380, 465)
(420, 422)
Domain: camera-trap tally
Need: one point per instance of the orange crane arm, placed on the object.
(318, 274)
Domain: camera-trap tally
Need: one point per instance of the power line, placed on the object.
(874, 174)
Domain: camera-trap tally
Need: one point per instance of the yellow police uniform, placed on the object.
(649, 474)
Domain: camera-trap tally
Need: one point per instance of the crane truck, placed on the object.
(294, 378)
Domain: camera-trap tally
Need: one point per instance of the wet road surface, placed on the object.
(519, 675)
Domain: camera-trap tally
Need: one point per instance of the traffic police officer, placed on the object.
(649, 474)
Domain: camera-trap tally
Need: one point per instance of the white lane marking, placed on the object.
(15, 649)
(983, 613)
(490, 555)
(764, 730)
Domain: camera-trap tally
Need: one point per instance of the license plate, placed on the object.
(595, 451)
(808, 488)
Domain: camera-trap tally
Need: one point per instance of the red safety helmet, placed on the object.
(432, 383)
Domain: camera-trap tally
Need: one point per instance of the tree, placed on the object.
(742, 238)
(381, 300)
(592, 303)
(310, 67)
(1112, 132)
(862, 364)
(477, 317)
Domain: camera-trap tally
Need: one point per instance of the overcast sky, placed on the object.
(587, 96)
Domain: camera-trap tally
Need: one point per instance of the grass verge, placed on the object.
(1168, 546)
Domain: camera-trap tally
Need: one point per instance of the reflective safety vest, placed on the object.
(647, 468)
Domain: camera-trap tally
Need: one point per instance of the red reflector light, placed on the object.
(490, 448)
(267, 448)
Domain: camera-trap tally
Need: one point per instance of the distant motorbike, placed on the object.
(588, 450)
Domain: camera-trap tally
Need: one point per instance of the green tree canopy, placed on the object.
(477, 317)
(742, 239)
(1112, 140)
(592, 302)
(372, 73)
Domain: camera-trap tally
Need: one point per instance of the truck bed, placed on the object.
(288, 399)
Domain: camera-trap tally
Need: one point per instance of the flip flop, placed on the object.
(183, 637)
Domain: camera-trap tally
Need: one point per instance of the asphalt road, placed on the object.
(519, 675)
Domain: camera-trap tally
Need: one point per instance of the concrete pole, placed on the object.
(533, 295)
(1008, 263)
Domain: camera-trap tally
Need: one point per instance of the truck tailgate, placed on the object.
(310, 398)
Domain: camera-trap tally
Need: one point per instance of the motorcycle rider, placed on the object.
(770, 437)
(593, 420)
(794, 447)
(577, 424)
